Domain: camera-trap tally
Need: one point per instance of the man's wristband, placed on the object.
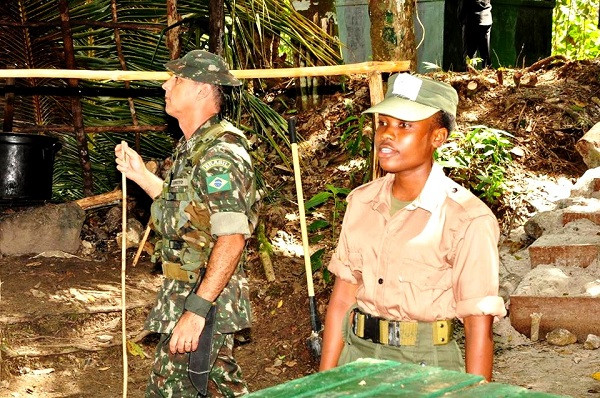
(197, 305)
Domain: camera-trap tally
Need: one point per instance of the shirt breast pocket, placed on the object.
(423, 276)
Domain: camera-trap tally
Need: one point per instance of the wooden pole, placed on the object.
(123, 268)
(90, 129)
(350, 69)
(134, 119)
(216, 26)
(9, 105)
(82, 144)
(141, 246)
(172, 35)
(376, 94)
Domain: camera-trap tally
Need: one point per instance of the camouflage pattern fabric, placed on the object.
(210, 192)
(203, 66)
(211, 177)
(169, 376)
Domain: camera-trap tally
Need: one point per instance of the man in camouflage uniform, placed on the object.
(203, 213)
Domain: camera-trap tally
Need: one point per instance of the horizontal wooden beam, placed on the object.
(73, 22)
(350, 69)
(89, 129)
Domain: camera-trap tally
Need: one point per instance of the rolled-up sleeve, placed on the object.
(340, 261)
(224, 181)
(476, 270)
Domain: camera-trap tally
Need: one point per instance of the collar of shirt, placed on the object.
(184, 145)
(430, 198)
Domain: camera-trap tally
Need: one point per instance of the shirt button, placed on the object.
(380, 281)
(454, 190)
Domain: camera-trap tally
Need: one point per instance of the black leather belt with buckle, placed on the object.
(398, 333)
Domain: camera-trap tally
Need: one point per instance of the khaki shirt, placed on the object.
(437, 258)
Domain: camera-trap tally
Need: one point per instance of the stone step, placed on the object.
(564, 250)
(572, 215)
(579, 315)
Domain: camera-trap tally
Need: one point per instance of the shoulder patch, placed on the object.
(222, 164)
(218, 183)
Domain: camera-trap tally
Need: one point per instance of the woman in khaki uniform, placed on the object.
(416, 249)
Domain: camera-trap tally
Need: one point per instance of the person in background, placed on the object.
(416, 250)
(475, 17)
(202, 213)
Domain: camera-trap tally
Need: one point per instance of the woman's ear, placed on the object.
(440, 134)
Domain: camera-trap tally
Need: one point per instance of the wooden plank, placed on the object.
(579, 315)
(350, 69)
(104, 199)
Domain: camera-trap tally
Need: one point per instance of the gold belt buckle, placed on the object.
(384, 331)
(442, 332)
(408, 332)
(359, 324)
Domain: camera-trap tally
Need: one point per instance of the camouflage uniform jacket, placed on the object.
(210, 192)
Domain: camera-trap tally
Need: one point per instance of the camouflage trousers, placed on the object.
(169, 376)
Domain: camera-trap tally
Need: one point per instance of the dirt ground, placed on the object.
(60, 329)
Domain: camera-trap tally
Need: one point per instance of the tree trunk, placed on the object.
(216, 12)
(392, 30)
(173, 43)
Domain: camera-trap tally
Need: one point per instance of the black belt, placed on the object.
(398, 333)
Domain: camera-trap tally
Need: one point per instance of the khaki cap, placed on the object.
(414, 98)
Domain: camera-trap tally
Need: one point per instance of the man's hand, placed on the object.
(132, 165)
(186, 333)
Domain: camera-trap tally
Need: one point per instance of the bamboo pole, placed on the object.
(376, 96)
(141, 246)
(350, 69)
(123, 268)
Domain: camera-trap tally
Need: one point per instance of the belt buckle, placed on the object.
(359, 324)
(394, 334)
(442, 332)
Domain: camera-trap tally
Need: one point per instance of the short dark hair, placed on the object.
(445, 119)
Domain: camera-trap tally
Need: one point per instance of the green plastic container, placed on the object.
(431, 50)
(354, 29)
(373, 378)
(521, 31)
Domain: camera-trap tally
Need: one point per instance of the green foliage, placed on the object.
(477, 160)
(355, 142)
(576, 34)
(316, 261)
(251, 27)
(338, 196)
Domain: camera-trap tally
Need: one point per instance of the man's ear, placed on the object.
(440, 134)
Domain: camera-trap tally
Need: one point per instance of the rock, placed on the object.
(43, 228)
(506, 336)
(104, 338)
(543, 222)
(592, 342)
(135, 229)
(589, 147)
(560, 337)
(112, 220)
(543, 280)
(586, 184)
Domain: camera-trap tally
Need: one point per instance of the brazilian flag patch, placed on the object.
(218, 183)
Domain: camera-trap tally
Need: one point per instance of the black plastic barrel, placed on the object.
(26, 167)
